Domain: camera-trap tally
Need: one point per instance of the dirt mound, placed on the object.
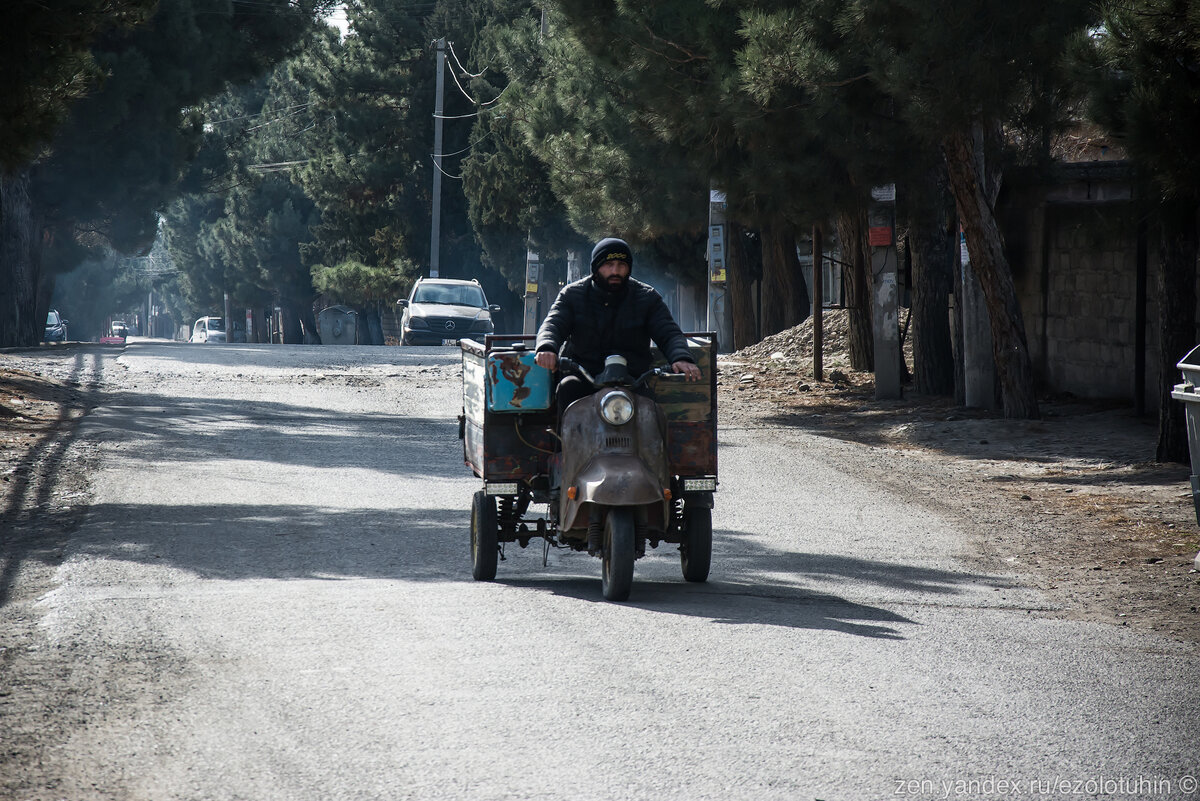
(795, 344)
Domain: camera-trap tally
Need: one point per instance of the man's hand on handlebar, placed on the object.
(547, 359)
(689, 370)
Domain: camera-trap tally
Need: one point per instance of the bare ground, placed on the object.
(1075, 500)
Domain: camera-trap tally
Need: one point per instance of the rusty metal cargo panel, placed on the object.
(474, 404)
(691, 410)
(504, 437)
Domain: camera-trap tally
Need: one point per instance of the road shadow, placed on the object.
(240, 542)
(322, 357)
(30, 525)
(737, 593)
(277, 542)
(195, 427)
(1070, 429)
(743, 554)
(732, 603)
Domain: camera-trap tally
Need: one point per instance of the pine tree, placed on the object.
(117, 160)
(957, 74)
(47, 64)
(1143, 69)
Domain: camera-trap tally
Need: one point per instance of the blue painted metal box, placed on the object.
(515, 383)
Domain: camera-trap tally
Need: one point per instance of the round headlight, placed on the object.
(616, 408)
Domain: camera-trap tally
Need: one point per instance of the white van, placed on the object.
(209, 329)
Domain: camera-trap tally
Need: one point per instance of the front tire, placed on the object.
(485, 547)
(616, 573)
(695, 552)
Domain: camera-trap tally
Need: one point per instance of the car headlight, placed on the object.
(616, 408)
(483, 323)
(418, 322)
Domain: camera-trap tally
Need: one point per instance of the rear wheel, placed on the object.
(616, 575)
(485, 548)
(695, 551)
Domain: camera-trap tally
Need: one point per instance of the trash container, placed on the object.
(338, 325)
(1188, 395)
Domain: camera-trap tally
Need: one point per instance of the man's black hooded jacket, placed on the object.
(594, 323)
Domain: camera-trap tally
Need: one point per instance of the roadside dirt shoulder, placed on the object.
(1074, 500)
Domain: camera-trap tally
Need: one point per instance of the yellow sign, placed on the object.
(531, 289)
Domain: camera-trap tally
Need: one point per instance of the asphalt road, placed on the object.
(268, 596)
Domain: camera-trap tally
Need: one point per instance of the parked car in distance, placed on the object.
(440, 311)
(209, 329)
(117, 332)
(56, 327)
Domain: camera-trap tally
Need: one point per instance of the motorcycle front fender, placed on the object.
(610, 480)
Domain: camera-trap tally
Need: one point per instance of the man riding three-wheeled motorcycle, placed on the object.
(625, 457)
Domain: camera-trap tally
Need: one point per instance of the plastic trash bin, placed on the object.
(1187, 393)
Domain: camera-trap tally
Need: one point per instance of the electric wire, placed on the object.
(272, 122)
(464, 91)
(259, 114)
(442, 171)
(479, 74)
(460, 116)
(465, 149)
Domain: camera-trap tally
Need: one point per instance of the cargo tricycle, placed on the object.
(630, 467)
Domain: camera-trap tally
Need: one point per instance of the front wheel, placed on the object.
(485, 547)
(616, 575)
(695, 552)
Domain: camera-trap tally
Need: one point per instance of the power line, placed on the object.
(461, 67)
(468, 147)
(278, 166)
(460, 116)
(470, 75)
(443, 172)
(259, 114)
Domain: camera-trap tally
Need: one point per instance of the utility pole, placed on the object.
(533, 280)
(720, 311)
(979, 382)
(435, 235)
(818, 305)
(885, 291)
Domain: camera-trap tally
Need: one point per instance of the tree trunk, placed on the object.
(293, 331)
(308, 323)
(852, 232)
(1178, 251)
(784, 296)
(20, 264)
(1009, 346)
(745, 321)
(933, 249)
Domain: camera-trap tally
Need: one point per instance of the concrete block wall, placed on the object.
(1091, 302)
(1078, 290)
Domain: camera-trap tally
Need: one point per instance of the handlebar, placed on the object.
(567, 365)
